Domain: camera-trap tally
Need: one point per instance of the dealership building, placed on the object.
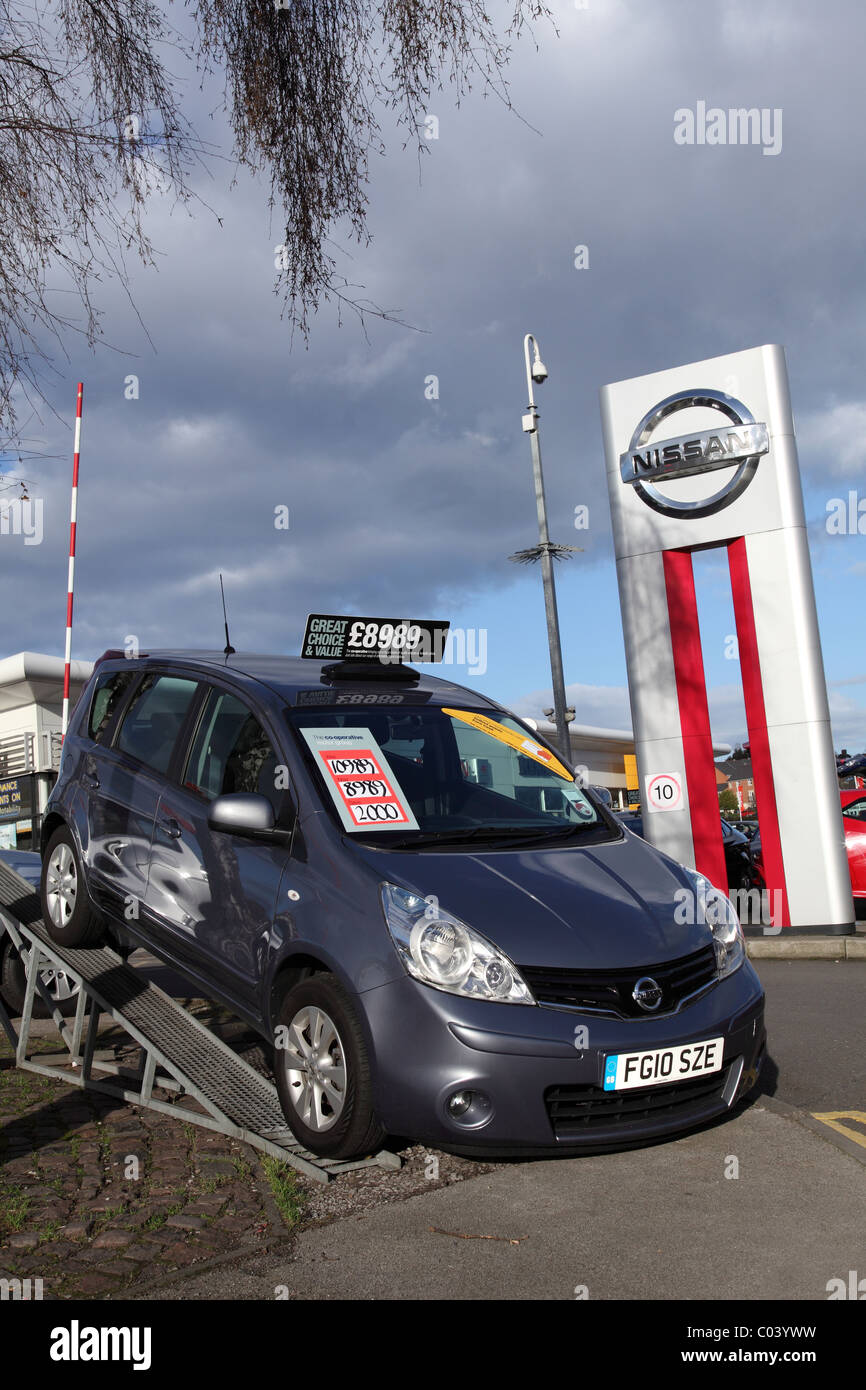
(31, 705)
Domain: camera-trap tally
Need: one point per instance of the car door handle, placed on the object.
(89, 779)
(170, 826)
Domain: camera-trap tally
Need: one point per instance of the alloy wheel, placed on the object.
(60, 985)
(316, 1068)
(61, 886)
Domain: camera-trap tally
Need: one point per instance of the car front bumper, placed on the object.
(536, 1072)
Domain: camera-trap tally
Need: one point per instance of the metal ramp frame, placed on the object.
(178, 1053)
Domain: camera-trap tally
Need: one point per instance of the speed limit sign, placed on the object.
(664, 791)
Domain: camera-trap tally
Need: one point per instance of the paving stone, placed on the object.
(216, 1167)
(94, 1284)
(180, 1254)
(57, 1249)
(112, 1239)
(86, 1256)
(138, 1254)
(214, 1240)
(205, 1206)
(23, 1240)
(117, 1268)
(185, 1223)
(77, 1230)
(231, 1223)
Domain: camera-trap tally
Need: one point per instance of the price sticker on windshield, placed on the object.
(519, 741)
(359, 778)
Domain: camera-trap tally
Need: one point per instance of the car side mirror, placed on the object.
(241, 813)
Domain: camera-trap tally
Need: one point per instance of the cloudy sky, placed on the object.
(398, 502)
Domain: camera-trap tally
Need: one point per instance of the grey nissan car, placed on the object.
(442, 934)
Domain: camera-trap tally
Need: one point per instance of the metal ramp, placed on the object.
(178, 1053)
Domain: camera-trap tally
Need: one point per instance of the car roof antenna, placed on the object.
(229, 649)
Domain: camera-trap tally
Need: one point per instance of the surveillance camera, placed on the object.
(539, 371)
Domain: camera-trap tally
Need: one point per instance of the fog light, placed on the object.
(459, 1103)
(469, 1109)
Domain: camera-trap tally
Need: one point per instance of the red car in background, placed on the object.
(854, 821)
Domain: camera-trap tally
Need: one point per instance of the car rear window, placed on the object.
(110, 689)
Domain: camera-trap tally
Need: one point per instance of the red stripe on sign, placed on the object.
(756, 723)
(694, 712)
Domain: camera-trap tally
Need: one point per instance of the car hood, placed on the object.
(605, 906)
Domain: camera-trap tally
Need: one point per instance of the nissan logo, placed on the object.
(741, 440)
(647, 994)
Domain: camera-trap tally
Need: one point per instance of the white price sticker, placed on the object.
(357, 774)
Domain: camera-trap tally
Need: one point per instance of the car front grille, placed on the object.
(574, 1110)
(610, 991)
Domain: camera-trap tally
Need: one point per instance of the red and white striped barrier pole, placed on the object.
(70, 586)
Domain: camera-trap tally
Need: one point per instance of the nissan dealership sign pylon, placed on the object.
(704, 456)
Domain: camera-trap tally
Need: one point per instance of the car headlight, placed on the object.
(715, 910)
(442, 951)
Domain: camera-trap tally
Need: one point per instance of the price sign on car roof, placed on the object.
(331, 637)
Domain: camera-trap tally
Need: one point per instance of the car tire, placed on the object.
(331, 1113)
(13, 983)
(66, 911)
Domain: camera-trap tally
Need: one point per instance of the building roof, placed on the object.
(33, 678)
(614, 740)
(738, 769)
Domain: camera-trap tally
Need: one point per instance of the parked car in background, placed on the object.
(748, 828)
(62, 989)
(738, 862)
(854, 823)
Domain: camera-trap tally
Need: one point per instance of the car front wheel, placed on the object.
(323, 1071)
(66, 911)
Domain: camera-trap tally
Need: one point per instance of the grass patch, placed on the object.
(14, 1205)
(283, 1183)
(109, 1214)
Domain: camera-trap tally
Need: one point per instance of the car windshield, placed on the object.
(434, 776)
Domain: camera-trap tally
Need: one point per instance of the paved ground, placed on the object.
(661, 1223)
(101, 1198)
(817, 1029)
(199, 1216)
(95, 1193)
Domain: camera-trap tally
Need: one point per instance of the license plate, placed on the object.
(625, 1071)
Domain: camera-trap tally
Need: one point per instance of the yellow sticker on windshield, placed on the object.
(514, 738)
